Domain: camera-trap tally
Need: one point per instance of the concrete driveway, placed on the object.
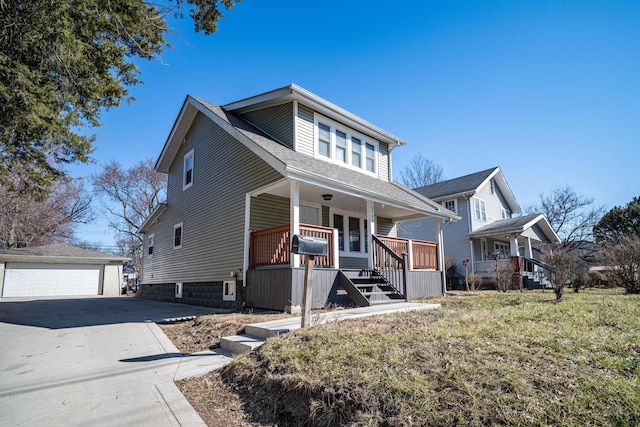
(96, 361)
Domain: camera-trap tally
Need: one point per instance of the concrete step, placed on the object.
(387, 301)
(268, 329)
(241, 343)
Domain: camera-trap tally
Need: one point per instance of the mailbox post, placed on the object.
(309, 246)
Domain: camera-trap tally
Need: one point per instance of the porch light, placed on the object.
(327, 197)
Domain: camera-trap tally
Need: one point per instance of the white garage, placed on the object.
(59, 270)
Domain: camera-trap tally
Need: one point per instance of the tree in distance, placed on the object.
(619, 223)
(420, 172)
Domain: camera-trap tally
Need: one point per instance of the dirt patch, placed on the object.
(204, 332)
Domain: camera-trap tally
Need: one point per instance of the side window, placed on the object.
(177, 236)
(187, 178)
(451, 205)
(151, 240)
(480, 208)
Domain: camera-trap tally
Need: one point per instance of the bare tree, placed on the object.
(31, 217)
(572, 217)
(565, 268)
(421, 171)
(623, 260)
(130, 196)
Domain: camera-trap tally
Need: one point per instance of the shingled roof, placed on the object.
(61, 251)
(456, 186)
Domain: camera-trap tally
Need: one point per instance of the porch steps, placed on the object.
(373, 289)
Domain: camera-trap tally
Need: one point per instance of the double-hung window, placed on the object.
(187, 176)
(451, 205)
(352, 233)
(502, 250)
(177, 236)
(504, 213)
(339, 144)
(151, 241)
(481, 210)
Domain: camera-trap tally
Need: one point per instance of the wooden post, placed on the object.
(307, 292)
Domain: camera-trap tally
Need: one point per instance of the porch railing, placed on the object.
(271, 247)
(389, 264)
(424, 255)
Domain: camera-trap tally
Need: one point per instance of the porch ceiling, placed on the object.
(312, 194)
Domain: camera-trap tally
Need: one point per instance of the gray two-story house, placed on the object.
(245, 177)
(489, 231)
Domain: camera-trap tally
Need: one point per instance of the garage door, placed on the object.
(26, 280)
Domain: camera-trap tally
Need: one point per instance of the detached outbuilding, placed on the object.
(59, 270)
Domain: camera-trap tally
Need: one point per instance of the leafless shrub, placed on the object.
(503, 275)
(565, 268)
(623, 259)
(474, 282)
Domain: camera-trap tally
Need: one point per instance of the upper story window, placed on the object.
(177, 236)
(339, 144)
(504, 213)
(451, 205)
(480, 208)
(151, 241)
(492, 186)
(187, 175)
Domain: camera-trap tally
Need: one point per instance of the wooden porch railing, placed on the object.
(388, 263)
(424, 254)
(271, 247)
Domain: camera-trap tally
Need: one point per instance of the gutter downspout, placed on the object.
(472, 257)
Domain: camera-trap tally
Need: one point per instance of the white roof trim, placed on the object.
(152, 217)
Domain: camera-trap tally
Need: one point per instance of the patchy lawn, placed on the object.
(483, 359)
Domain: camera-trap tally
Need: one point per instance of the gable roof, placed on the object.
(58, 252)
(468, 185)
(518, 225)
(295, 165)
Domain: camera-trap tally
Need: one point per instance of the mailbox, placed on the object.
(305, 245)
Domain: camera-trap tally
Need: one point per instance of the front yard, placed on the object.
(483, 359)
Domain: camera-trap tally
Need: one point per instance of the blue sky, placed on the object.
(547, 90)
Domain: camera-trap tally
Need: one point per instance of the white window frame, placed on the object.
(455, 205)
(480, 209)
(492, 186)
(173, 236)
(348, 163)
(483, 250)
(502, 249)
(229, 290)
(151, 243)
(365, 241)
(504, 213)
(186, 185)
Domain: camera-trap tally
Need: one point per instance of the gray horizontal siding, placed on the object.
(304, 143)
(212, 210)
(383, 162)
(276, 121)
(269, 211)
(386, 227)
(423, 284)
(353, 262)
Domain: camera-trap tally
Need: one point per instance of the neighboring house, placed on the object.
(487, 232)
(246, 177)
(59, 270)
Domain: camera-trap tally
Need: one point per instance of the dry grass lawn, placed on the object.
(483, 359)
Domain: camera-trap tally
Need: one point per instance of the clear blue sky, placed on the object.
(547, 90)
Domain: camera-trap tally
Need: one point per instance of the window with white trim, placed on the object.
(352, 233)
(502, 249)
(340, 145)
(151, 241)
(229, 290)
(504, 213)
(492, 186)
(451, 205)
(481, 209)
(187, 175)
(177, 236)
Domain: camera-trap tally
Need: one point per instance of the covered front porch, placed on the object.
(510, 241)
(366, 263)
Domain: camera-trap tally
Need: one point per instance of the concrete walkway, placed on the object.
(104, 361)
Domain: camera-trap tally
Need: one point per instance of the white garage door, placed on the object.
(26, 280)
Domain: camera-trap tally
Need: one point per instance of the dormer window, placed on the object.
(187, 176)
(340, 145)
(451, 205)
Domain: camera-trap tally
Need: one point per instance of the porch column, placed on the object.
(528, 250)
(437, 224)
(294, 221)
(513, 244)
(371, 217)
